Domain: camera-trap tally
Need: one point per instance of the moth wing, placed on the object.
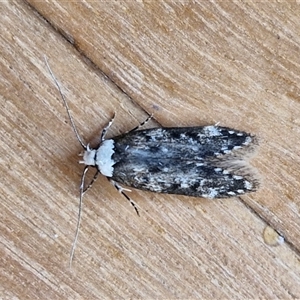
(199, 142)
(191, 178)
(187, 161)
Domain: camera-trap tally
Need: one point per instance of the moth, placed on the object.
(201, 161)
(194, 161)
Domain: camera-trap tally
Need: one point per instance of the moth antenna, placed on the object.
(66, 105)
(79, 216)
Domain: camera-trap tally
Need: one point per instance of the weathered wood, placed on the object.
(189, 64)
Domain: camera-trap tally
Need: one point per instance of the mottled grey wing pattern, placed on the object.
(185, 160)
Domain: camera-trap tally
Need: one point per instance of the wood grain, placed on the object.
(188, 63)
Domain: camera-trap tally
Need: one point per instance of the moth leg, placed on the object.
(92, 182)
(121, 190)
(141, 124)
(104, 131)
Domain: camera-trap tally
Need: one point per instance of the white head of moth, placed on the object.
(100, 157)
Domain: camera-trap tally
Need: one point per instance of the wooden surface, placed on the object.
(188, 63)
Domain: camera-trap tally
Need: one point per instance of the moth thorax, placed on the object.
(101, 157)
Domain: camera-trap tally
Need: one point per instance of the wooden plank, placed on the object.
(189, 64)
